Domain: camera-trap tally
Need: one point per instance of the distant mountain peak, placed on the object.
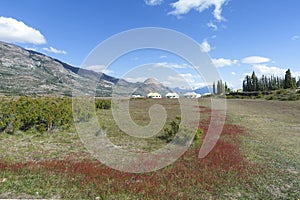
(151, 81)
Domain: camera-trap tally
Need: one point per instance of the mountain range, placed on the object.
(26, 72)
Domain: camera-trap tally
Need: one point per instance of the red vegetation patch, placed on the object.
(200, 107)
(232, 129)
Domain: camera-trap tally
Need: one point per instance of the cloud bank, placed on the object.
(12, 30)
(185, 6)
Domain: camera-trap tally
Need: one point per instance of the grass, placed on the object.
(32, 146)
(257, 157)
(272, 140)
(139, 114)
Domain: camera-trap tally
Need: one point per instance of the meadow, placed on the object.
(256, 157)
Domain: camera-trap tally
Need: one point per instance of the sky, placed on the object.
(239, 36)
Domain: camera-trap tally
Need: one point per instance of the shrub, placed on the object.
(171, 130)
(6, 113)
(289, 97)
(103, 104)
(170, 133)
(271, 97)
(282, 91)
(42, 114)
(198, 135)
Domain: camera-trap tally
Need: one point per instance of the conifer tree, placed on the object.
(288, 80)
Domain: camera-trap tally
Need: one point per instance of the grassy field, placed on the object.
(257, 157)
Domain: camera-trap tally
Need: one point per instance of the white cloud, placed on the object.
(222, 62)
(212, 25)
(135, 79)
(205, 46)
(295, 37)
(255, 60)
(12, 30)
(172, 65)
(233, 73)
(99, 68)
(153, 2)
(184, 6)
(54, 50)
(186, 80)
(261, 69)
(162, 57)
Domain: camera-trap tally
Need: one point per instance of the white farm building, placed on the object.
(172, 96)
(153, 95)
(192, 95)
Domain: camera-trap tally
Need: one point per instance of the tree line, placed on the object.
(220, 88)
(264, 83)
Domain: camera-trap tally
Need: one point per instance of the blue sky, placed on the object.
(239, 35)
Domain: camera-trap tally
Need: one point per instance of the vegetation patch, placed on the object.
(223, 170)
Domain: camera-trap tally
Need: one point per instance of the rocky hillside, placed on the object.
(25, 72)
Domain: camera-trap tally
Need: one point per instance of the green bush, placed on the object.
(42, 114)
(289, 97)
(6, 113)
(198, 135)
(271, 97)
(103, 104)
(171, 131)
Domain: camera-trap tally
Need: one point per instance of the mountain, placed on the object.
(151, 85)
(203, 90)
(26, 72)
(182, 91)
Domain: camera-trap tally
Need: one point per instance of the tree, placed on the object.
(288, 80)
(214, 88)
(253, 83)
(218, 87)
(298, 82)
(254, 80)
(227, 89)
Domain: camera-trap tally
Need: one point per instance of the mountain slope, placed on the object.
(26, 72)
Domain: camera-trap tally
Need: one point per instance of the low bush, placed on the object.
(44, 114)
(103, 104)
(271, 97)
(180, 135)
(170, 131)
(198, 135)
